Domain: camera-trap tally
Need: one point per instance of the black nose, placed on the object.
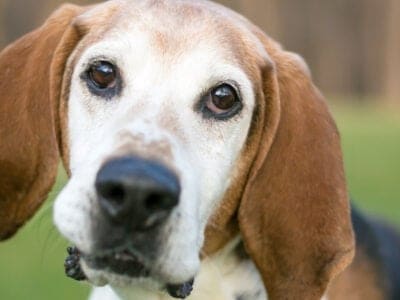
(136, 193)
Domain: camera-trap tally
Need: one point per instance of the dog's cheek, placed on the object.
(72, 216)
(182, 235)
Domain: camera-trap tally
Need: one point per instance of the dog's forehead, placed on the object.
(174, 28)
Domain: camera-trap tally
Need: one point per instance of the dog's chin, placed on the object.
(123, 263)
(99, 278)
(124, 269)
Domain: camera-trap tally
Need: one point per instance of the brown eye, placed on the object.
(103, 75)
(223, 101)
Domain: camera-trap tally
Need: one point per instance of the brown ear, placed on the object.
(31, 71)
(294, 216)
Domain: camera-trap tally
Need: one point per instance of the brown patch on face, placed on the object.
(161, 41)
(135, 145)
(359, 281)
(243, 48)
(167, 120)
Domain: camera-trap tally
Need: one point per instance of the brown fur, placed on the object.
(358, 282)
(294, 214)
(29, 100)
(288, 198)
(295, 209)
(34, 89)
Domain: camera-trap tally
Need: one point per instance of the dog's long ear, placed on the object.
(31, 73)
(294, 216)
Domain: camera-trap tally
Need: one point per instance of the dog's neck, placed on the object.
(227, 275)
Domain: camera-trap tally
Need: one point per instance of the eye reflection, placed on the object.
(103, 79)
(221, 102)
(103, 75)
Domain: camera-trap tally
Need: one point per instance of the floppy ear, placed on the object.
(294, 216)
(31, 73)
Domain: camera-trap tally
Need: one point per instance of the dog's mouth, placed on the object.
(123, 262)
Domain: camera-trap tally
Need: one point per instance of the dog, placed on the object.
(200, 155)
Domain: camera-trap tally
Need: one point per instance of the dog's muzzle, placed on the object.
(135, 197)
(74, 270)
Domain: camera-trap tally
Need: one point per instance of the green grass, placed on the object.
(31, 264)
(371, 145)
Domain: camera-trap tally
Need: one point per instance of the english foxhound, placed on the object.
(200, 156)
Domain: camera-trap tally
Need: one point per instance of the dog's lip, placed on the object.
(122, 262)
(125, 262)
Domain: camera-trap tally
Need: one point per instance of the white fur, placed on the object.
(158, 86)
(222, 277)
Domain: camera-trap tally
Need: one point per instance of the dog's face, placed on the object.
(159, 111)
(182, 125)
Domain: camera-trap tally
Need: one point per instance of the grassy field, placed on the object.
(31, 264)
(371, 145)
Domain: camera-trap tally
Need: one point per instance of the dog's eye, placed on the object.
(221, 102)
(103, 75)
(103, 79)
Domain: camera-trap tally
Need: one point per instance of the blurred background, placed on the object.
(353, 50)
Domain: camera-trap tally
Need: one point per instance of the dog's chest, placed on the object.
(223, 277)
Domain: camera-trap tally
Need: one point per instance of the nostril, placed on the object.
(112, 193)
(115, 193)
(159, 201)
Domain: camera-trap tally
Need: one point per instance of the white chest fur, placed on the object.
(222, 277)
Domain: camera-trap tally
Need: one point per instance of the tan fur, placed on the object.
(159, 150)
(358, 282)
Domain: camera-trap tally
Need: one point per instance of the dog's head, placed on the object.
(181, 126)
